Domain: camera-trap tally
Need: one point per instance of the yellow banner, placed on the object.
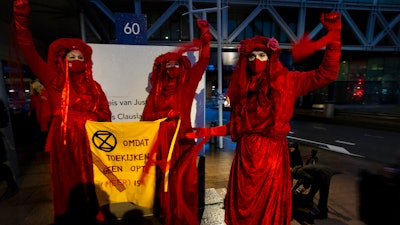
(120, 151)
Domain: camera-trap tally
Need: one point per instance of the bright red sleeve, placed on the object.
(26, 44)
(220, 130)
(104, 112)
(198, 69)
(148, 111)
(326, 73)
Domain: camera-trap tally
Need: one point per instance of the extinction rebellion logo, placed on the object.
(104, 140)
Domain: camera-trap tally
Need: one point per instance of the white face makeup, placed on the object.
(262, 56)
(172, 64)
(75, 55)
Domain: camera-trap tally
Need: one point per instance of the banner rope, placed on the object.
(170, 151)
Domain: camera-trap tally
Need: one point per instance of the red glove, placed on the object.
(172, 114)
(205, 31)
(303, 49)
(21, 8)
(204, 132)
(200, 132)
(203, 26)
(331, 21)
(219, 130)
(21, 22)
(306, 47)
(333, 24)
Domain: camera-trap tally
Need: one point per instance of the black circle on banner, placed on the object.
(104, 140)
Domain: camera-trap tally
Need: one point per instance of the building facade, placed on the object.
(370, 65)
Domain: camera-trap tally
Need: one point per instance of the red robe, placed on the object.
(178, 206)
(259, 188)
(70, 155)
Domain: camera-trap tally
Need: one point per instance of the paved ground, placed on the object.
(343, 202)
(32, 205)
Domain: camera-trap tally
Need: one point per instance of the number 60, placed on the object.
(134, 29)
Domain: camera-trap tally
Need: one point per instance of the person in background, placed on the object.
(173, 86)
(262, 95)
(5, 170)
(39, 111)
(75, 98)
(295, 154)
(314, 177)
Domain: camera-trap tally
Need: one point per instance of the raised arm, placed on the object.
(328, 71)
(196, 72)
(25, 40)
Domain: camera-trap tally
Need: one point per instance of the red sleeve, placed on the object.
(103, 112)
(197, 71)
(220, 130)
(148, 111)
(27, 46)
(326, 73)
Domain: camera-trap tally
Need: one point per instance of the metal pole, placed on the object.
(83, 30)
(191, 32)
(219, 53)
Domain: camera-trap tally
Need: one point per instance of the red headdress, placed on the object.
(239, 85)
(237, 90)
(59, 48)
(158, 75)
(56, 59)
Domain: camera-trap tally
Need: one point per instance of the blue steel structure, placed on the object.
(370, 38)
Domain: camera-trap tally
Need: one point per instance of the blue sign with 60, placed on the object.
(131, 28)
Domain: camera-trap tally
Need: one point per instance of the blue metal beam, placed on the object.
(359, 35)
(138, 7)
(104, 9)
(244, 24)
(387, 29)
(164, 17)
(282, 24)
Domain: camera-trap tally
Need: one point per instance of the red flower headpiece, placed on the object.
(268, 45)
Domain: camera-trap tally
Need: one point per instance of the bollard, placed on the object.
(329, 110)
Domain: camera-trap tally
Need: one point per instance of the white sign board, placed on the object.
(123, 72)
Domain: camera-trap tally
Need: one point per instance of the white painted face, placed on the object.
(262, 56)
(172, 64)
(75, 55)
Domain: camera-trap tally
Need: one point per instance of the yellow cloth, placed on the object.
(120, 151)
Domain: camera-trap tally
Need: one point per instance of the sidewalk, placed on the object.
(33, 204)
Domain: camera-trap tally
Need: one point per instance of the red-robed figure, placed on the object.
(262, 95)
(74, 98)
(174, 82)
